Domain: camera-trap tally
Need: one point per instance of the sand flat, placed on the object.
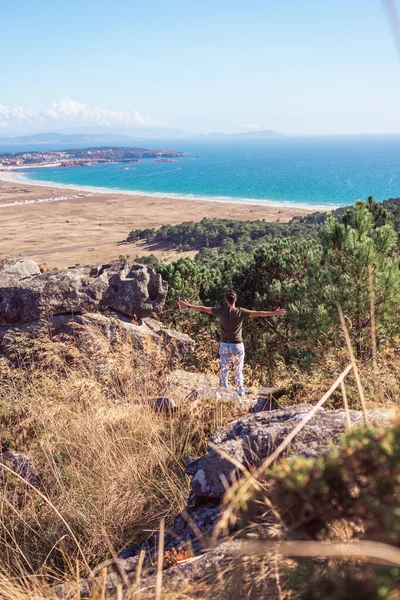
(91, 229)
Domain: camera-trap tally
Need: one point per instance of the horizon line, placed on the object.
(192, 135)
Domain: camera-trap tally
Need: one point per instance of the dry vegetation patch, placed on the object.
(110, 467)
(106, 461)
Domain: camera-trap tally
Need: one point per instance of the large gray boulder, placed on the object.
(16, 269)
(116, 299)
(251, 439)
(114, 326)
(27, 295)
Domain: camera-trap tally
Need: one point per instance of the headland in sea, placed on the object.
(60, 226)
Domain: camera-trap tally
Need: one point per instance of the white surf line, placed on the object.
(13, 177)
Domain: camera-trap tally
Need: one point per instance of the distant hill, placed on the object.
(265, 133)
(138, 133)
(109, 137)
(61, 138)
(97, 138)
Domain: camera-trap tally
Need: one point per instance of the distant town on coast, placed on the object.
(83, 157)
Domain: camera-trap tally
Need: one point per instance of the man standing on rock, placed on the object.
(231, 345)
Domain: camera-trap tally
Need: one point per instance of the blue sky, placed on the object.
(299, 67)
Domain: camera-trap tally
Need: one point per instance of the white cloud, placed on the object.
(252, 127)
(67, 110)
(73, 113)
(17, 114)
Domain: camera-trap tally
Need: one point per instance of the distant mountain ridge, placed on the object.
(106, 137)
(60, 138)
(264, 133)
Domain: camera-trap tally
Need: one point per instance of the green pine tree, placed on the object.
(365, 237)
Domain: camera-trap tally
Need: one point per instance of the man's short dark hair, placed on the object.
(230, 296)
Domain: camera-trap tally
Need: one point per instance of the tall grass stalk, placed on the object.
(345, 404)
(354, 363)
(373, 323)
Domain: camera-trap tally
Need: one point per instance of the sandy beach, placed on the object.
(91, 229)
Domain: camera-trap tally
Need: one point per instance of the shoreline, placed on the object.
(64, 227)
(14, 177)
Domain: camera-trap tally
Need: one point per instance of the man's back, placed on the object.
(231, 348)
(231, 319)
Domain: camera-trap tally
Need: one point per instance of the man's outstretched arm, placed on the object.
(203, 309)
(279, 312)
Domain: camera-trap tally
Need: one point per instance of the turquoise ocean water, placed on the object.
(318, 171)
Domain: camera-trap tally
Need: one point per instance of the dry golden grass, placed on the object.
(107, 462)
(238, 578)
(111, 468)
(381, 389)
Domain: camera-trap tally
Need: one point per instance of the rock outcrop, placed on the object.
(27, 295)
(114, 326)
(163, 404)
(251, 439)
(117, 299)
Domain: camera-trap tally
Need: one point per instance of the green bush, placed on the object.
(358, 483)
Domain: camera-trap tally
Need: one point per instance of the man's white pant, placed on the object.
(231, 353)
